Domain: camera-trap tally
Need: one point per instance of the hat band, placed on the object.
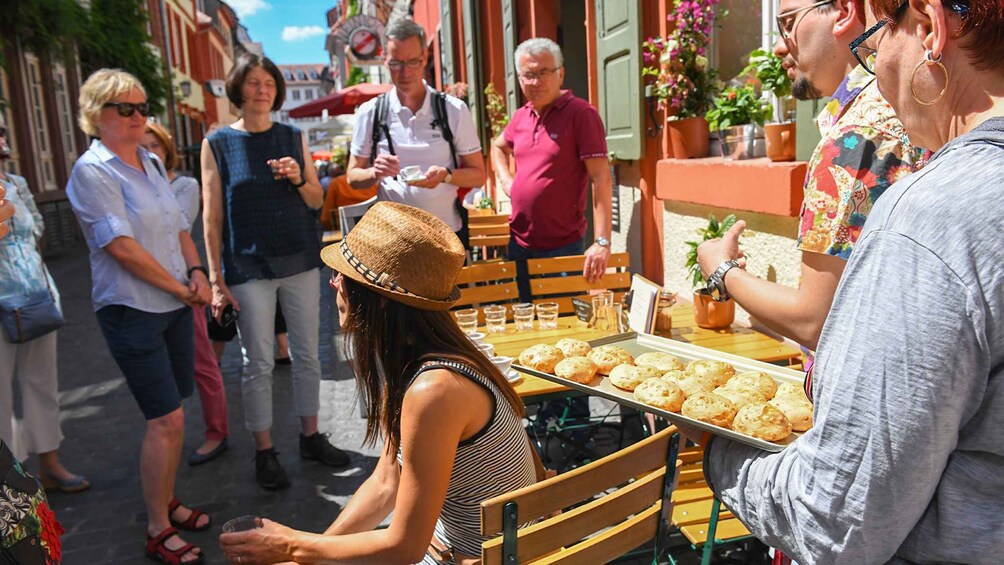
(381, 280)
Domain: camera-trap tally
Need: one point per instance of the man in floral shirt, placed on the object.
(864, 149)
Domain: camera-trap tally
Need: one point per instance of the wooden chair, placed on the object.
(349, 215)
(487, 283)
(606, 525)
(490, 235)
(560, 278)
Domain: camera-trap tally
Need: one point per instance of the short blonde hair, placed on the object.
(99, 88)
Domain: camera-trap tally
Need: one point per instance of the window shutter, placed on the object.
(446, 40)
(472, 52)
(619, 76)
(509, 43)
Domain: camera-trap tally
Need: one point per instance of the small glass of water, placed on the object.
(522, 314)
(495, 318)
(242, 524)
(547, 315)
(467, 320)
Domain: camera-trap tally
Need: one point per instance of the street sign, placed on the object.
(362, 37)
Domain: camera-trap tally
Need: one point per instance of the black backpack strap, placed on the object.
(443, 122)
(380, 126)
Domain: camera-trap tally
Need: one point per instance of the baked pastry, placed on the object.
(689, 383)
(755, 380)
(661, 394)
(798, 410)
(541, 357)
(573, 347)
(628, 377)
(607, 357)
(740, 395)
(719, 371)
(710, 408)
(762, 421)
(791, 389)
(576, 369)
(662, 361)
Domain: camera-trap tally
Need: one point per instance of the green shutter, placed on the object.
(472, 52)
(618, 48)
(509, 44)
(446, 40)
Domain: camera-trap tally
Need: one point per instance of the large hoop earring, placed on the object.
(928, 60)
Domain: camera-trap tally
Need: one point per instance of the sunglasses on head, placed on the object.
(127, 109)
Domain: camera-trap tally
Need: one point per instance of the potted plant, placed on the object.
(739, 115)
(484, 207)
(679, 77)
(707, 312)
(767, 69)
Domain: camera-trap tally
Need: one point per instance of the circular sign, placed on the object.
(364, 43)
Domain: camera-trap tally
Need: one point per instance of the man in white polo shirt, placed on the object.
(413, 138)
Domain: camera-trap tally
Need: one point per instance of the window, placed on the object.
(287, 75)
(309, 93)
(40, 125)
(300, 75)
(296, 94)
(66, 122)
(313, 74)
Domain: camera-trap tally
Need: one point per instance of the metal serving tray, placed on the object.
(686, 352)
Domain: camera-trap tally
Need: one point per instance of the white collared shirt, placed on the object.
(417, 142)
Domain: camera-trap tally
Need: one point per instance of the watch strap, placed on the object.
(448, 179)
(716, 282)
(303, 181)
(199, 268)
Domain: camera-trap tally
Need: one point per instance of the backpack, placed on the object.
(440, 120)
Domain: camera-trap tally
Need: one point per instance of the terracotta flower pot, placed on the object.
(781, 141)
(689, 137)
(713, 315)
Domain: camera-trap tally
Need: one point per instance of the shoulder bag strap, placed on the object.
(443, 122)
(380, 127)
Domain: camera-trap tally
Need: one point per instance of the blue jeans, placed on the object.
(520, 254)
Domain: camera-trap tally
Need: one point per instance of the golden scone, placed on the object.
(711, 408)
(577, 369)
(740, 395)
(690, 383)
(662, 361)
(798, 411)
(762, 421)
(628, 377)
(607, 357)
(719, 371)
(573, 347)
(755, 380)
(661, 394)
(791, 389)
(541, 357)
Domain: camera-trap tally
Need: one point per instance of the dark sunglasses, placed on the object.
(127, 109)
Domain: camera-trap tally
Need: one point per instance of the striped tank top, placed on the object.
(494, 461)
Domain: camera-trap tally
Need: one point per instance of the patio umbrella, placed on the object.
(321, 155)
(345, 101)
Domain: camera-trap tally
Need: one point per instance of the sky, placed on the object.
(290, 31)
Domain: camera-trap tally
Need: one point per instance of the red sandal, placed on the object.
(156, 550)
(191, 523)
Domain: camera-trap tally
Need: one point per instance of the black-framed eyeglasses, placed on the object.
(411, 64)
(127, 109)
(788, 21)
(866, 55)
(531, 76)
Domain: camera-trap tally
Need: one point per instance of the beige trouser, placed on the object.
(34, 365)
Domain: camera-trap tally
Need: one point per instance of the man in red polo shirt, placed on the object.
(559, 145)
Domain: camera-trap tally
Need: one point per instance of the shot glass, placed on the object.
(522, 314)
(547, 315)
(242, 524)
(467, 320)
(495, 318)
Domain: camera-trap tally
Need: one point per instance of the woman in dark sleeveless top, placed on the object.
(451, 420)
(262, 242)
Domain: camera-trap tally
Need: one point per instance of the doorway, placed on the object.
(572, 40)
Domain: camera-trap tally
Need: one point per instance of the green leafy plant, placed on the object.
(498, 117)
(767, 69)
(486, 203)
(737, 106)
(713, 230)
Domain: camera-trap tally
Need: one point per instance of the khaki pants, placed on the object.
(34, 365)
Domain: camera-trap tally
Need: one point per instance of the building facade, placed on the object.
(303, 84)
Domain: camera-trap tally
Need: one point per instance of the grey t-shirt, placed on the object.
(905, 462)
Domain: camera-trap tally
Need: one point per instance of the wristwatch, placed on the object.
(716, 282)
(602, 241)
(449, 176)
(199, 268)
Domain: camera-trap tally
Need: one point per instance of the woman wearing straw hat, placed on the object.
(394, 277)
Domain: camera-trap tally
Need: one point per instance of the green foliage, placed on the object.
(736, 106)
(713, 230)
(45, 27)
(356, 76)
(339, 154)
(498, 117)
(767, 69)
(486, 203)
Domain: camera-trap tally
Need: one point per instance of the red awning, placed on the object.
(345, 101)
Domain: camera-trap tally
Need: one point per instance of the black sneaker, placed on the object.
(317, 447)
(268, 470)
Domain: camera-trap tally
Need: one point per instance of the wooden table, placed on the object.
(736, 340)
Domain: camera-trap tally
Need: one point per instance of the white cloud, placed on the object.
(293, 33)
(245, 8)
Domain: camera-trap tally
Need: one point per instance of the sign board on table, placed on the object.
(644, 300)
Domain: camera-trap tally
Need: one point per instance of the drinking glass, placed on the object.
(242, 524)
(495, 318)
(616, 319)
(547, 315)
(599, 320)
(522, 314)
(467, 320)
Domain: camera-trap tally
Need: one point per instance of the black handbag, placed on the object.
(21, 325)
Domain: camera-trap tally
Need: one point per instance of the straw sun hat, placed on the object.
(404, 253)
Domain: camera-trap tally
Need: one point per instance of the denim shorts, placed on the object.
(156, 353)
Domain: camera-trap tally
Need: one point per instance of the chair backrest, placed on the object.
(487, 219)
(559, 279)
(487, 283)
(490, 234)
(349, 215)
(605, 527)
